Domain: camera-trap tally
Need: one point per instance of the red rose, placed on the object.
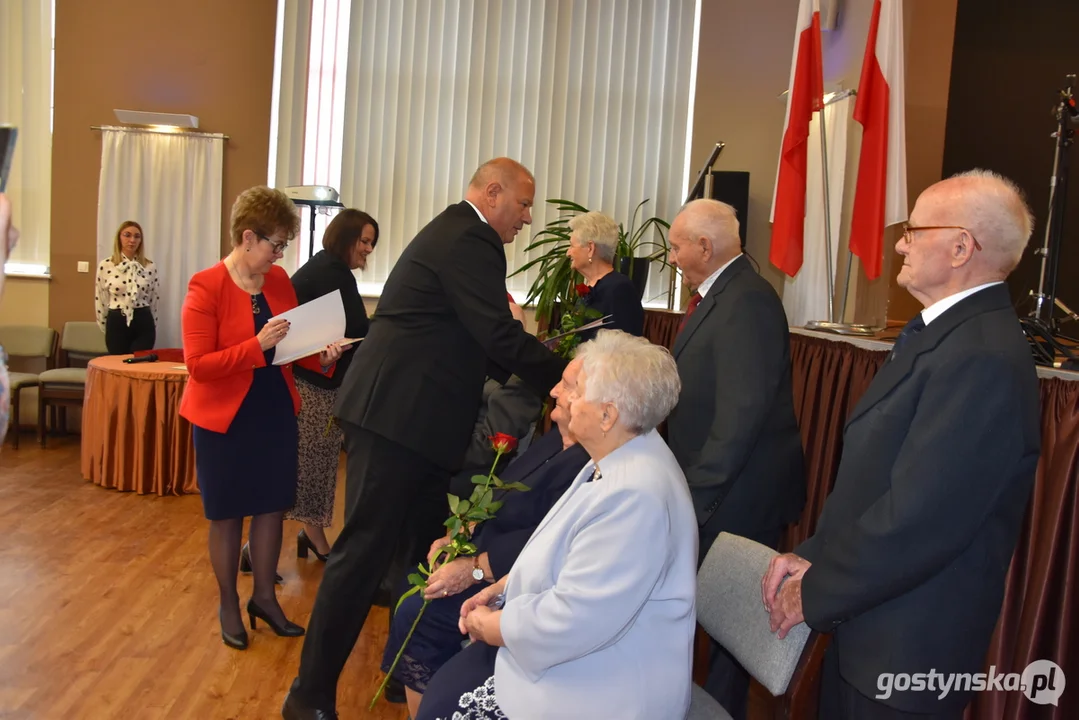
(503, 443)
(583, 290)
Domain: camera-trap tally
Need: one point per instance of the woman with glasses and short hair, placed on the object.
(242, 406)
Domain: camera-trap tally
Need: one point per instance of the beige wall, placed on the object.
(741, 74)
(25, 302)
(931, 31)
(208, 58)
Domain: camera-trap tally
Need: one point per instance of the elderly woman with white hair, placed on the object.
(596, 617)
(592, 243)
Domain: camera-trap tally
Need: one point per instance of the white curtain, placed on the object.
(171, 184)
(288, 110)
(26, 102)
(805, 296)
(591, 95)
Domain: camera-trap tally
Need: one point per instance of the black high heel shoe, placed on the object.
(236, 642)
(289, 629)
(303, 544)
(245, 564)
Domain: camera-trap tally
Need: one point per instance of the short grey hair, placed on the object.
(714, 220)
(996, 210)
(595, 227)
(637, 377)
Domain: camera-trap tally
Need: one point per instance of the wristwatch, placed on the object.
(477, 571)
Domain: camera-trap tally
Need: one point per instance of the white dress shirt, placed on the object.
(938, 308)
(711, 279)
(477, 211)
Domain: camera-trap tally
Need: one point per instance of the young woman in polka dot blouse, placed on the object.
(126, 294)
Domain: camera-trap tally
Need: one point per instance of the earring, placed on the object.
(590, 261)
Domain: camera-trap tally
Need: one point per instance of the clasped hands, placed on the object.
(479, 620)
(781, 592)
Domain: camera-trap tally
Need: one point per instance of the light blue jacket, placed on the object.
(600, 605)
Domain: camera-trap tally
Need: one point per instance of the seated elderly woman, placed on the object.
(597, 615)
(592, 242)
(547, 468)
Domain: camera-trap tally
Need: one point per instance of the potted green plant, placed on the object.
(556, 284)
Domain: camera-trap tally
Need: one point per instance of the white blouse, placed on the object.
(125, 287)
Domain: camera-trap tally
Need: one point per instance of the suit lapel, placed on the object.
(895, 371)
(545, 448)
(739, 265)
(707, 303)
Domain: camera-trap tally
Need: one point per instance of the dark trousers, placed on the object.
(124, 339)
(839, 700)
(394, 500)
(728, 681)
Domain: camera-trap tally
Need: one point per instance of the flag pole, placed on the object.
(827, 216)
(833, 324)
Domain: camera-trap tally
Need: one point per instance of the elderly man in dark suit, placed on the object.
(408, 404)
(908, 563)
(733, 432)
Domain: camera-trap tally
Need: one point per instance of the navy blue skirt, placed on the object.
(251, 469)
(437, 637)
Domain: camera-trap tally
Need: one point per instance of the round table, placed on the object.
(133, 437)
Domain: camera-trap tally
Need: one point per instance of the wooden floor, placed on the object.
(108, 607)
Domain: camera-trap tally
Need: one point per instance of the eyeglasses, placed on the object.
(277, 246)
(909, 230)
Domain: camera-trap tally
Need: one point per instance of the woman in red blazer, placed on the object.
(242, 406)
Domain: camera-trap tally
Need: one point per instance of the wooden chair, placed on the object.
(65, 385)
(30, 342)
(729, 609)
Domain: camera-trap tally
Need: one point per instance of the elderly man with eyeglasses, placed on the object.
(907, 566)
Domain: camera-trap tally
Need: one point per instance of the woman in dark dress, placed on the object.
(243, 407)
(349, 239)
(592, 242)
(547, 468)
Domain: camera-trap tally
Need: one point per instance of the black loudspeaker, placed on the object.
(732, 187)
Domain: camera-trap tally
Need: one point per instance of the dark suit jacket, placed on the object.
(733, 431)
(547, 470)
(513, 409)
(441, 327)
(614, 294)
(319, 276)
(914, 542)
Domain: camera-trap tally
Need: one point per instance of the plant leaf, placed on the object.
(454, 502)
(412, 591)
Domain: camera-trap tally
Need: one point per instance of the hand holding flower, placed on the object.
(455, 574)
(449, 579)
(435, 547)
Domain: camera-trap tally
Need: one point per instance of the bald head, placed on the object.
(503, 170)
(703, 238)
(503, 191)
(966, 231)
(992, 207)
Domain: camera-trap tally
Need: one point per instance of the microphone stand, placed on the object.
(695, 193)
(1040, 327)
